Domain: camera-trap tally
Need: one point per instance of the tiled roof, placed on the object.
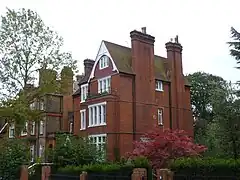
(122, 58)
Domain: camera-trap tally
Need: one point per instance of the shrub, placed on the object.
(206, 166)
(13, 154)
(96, 168)
(72, 150)
(161, 147)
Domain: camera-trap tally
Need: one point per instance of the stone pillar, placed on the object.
(83, 176)
(164, 174)
(24, 173)
(46, 172)
(139, 174)
(170, 175)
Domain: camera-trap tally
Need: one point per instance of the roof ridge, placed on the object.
(130, 48)
(117, 44)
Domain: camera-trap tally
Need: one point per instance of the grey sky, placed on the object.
(202, 25)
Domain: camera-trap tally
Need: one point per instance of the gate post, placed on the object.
(24, 173)
(139, 174)
(46, 172)
(83, 176)
(163, 174)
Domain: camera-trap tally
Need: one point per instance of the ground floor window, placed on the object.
(99, 141)
(32, 153)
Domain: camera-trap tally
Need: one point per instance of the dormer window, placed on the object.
(103, 62)
(159, 85)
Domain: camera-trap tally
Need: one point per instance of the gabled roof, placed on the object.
(121, 56)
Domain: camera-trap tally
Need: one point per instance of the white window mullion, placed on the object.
(84, 120)
(98, 120)
(104, 113)
(100, 114)
(93, 113)
(89, 116)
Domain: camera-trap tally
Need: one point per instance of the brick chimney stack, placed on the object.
(174, 55)
(143, 66)
(88, 65)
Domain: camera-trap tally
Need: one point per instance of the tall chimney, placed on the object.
(174, 55)
(144, 82)
(143, 64)
(88, 65)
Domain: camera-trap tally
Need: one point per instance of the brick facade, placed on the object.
(132, 102)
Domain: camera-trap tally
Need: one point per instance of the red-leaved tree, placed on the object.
(160, 147)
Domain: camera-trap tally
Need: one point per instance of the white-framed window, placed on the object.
(41, 105)
(99, 141)
(104, 84)
(160, 116)
(33, 106)
(41, 150)
(11, 130)
(159, 85)
(32, 153)
(32, 128)
(97, 114)
(41, 127)
(103, 62)
(25, 129)
(83, 119)
(84, 92)
(71, 127)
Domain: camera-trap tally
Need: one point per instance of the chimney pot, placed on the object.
(88, 65)
(144, 30)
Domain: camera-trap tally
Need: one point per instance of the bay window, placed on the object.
(97, 114)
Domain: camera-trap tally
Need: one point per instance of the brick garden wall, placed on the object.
(138, 174)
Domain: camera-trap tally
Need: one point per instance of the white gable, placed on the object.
(102, 51)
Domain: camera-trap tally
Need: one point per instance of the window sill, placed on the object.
(23, 134)
(97, 125)
(83, 101)
(159, 90)
(160, 124)
(82, 129)
(100, 68)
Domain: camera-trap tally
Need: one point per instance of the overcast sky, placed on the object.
(203, 27)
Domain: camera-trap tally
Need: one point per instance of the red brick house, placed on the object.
(127, 91)
(55, 108)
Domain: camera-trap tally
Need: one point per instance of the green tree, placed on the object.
(13, 154)
(206, 90)
(235, 45)
(28, 47)
(228, 117)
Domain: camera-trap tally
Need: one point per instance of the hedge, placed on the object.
(206, 167)
(106, 168)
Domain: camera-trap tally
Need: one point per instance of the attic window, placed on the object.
(103, 62)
